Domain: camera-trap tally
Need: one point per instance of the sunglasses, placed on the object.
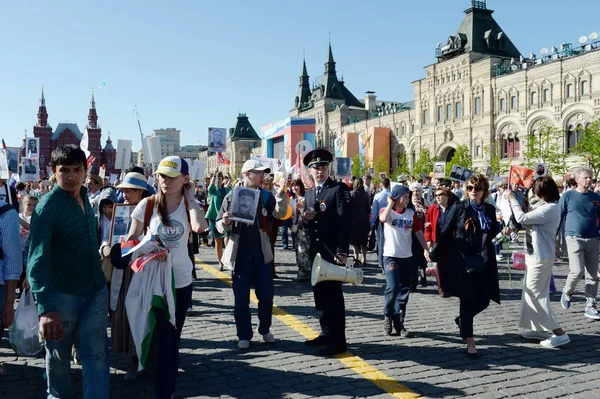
(477, 187)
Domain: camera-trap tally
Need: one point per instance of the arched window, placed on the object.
(570, 91)
(585, 88)
(478, 106)
(534, 98)
(511, 146)
(502, 104)
(513, 102)
(574, 136)
(425, 116)
(547, 95)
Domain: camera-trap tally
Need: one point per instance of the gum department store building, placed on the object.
(480, 92)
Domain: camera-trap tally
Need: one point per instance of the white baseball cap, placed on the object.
(173, 167)
(253, 164)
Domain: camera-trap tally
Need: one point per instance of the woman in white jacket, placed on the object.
(542, 222)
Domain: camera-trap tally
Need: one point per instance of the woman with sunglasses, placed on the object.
(435, 222)
(466, 243)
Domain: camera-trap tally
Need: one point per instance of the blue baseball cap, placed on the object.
(398, 191)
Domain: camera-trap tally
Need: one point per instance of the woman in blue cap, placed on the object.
(399, 221)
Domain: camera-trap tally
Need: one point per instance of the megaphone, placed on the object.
(325, 271)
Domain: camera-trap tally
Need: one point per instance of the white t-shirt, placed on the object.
(397, 233)
(175, 237)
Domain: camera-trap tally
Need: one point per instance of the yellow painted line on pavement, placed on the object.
(353, 362)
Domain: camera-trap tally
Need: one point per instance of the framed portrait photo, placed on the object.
(120, 223)
(540, 170)
(439, 170)
(33, 147)
(31, 169)
(217, 139)
(244, 204)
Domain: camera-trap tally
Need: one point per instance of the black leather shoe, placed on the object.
(321, 340)
(332, 350)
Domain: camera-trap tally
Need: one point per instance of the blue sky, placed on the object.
(192, 64)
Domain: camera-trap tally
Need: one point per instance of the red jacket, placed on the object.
(431, 221)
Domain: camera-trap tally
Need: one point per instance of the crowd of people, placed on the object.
(56, 241)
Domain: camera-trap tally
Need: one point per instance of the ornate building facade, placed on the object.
(69, 133)
(481, 93)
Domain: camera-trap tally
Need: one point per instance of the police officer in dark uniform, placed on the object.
(327, 219)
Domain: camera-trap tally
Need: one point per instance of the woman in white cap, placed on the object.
(134, 189)
(175, 213)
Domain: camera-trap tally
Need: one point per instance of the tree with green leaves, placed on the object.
(462, 157)
(380, 165)
(498, 164)
(360, 165)
(546, 147)
(424, 163)
(589, 147)
(402, 168)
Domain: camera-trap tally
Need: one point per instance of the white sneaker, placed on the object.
(555, 340)
(534, 335)
(244, 344)
(269, 338)
(499, 258)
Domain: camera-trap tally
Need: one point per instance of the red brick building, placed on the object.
(69, 133)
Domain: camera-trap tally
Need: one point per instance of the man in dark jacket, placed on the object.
(327, 219)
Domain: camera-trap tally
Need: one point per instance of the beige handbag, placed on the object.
(107, 268)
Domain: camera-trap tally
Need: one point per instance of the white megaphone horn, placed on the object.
(325, 271)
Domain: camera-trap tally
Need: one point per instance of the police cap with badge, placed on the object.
(318, 157)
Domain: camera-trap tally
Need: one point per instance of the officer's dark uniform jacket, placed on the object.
(329, 234)
(330, 229)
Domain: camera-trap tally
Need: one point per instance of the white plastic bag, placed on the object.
(23, 333)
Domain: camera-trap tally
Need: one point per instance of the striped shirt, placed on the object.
(11, 265)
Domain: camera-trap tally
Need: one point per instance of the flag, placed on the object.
(127, 246)
(85, 143)
(222, 159)
(90, 161)
(520, 175)
(3, 144)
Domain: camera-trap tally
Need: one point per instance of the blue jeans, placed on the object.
(398, 278)
(86, 317)
(244, 274)
(287, 224)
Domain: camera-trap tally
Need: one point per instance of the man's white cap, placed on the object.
(253, 164)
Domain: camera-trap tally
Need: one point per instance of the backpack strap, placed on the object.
(149, 211)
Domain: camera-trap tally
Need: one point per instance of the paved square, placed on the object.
(429, 364)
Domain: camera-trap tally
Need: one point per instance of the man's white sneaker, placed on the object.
(244, 344)
(554, 341)
(535, 335)
(269, 338)
(499, 258)
(592, 313)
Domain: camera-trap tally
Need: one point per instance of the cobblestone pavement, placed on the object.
(431, 363)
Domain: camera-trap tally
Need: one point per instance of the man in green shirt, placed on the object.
(67, 281)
